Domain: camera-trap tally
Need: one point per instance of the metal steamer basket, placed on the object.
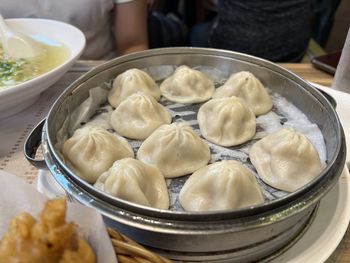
(246, 234)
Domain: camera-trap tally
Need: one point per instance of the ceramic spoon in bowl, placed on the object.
(18, 45)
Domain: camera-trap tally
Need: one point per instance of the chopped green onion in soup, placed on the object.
(15, 71)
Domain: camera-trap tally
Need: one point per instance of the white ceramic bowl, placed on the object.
(16, 98)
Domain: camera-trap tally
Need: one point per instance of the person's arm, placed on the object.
(130, 26)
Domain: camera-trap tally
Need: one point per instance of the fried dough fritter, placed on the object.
(48, 240)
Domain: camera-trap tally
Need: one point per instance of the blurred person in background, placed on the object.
(166, 25)
(270, 29)
(323, 19)
(111, 27)
(275, 30)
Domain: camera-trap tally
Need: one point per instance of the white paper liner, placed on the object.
(17, 196)
(284, 113)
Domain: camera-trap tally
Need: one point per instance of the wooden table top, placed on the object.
(310, 73)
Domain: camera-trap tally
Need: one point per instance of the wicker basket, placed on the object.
(128, 251)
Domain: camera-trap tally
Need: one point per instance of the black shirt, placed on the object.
(278, 30)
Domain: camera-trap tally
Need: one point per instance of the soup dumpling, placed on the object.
(286, 160)
(175, 149)
(92, 150)
(220, 186)
(226, 121)
(135, 181)
(247, 87)
(187, 85)
(138, 116)
(129, 82)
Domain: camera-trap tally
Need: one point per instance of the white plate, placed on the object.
(318, 242)
(16, 98)
(327, 229)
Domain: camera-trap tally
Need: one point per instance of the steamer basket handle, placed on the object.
(31, 146)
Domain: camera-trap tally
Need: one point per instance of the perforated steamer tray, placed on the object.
(283, 114)
(243, 234)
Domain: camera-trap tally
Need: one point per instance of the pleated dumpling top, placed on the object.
(247, 87)
(135, 181)
(187, 85)
(130, 82)
(286, 159)
(175, 149)
(220, 186)
(92, 150)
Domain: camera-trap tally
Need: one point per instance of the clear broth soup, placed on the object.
(16, 71)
